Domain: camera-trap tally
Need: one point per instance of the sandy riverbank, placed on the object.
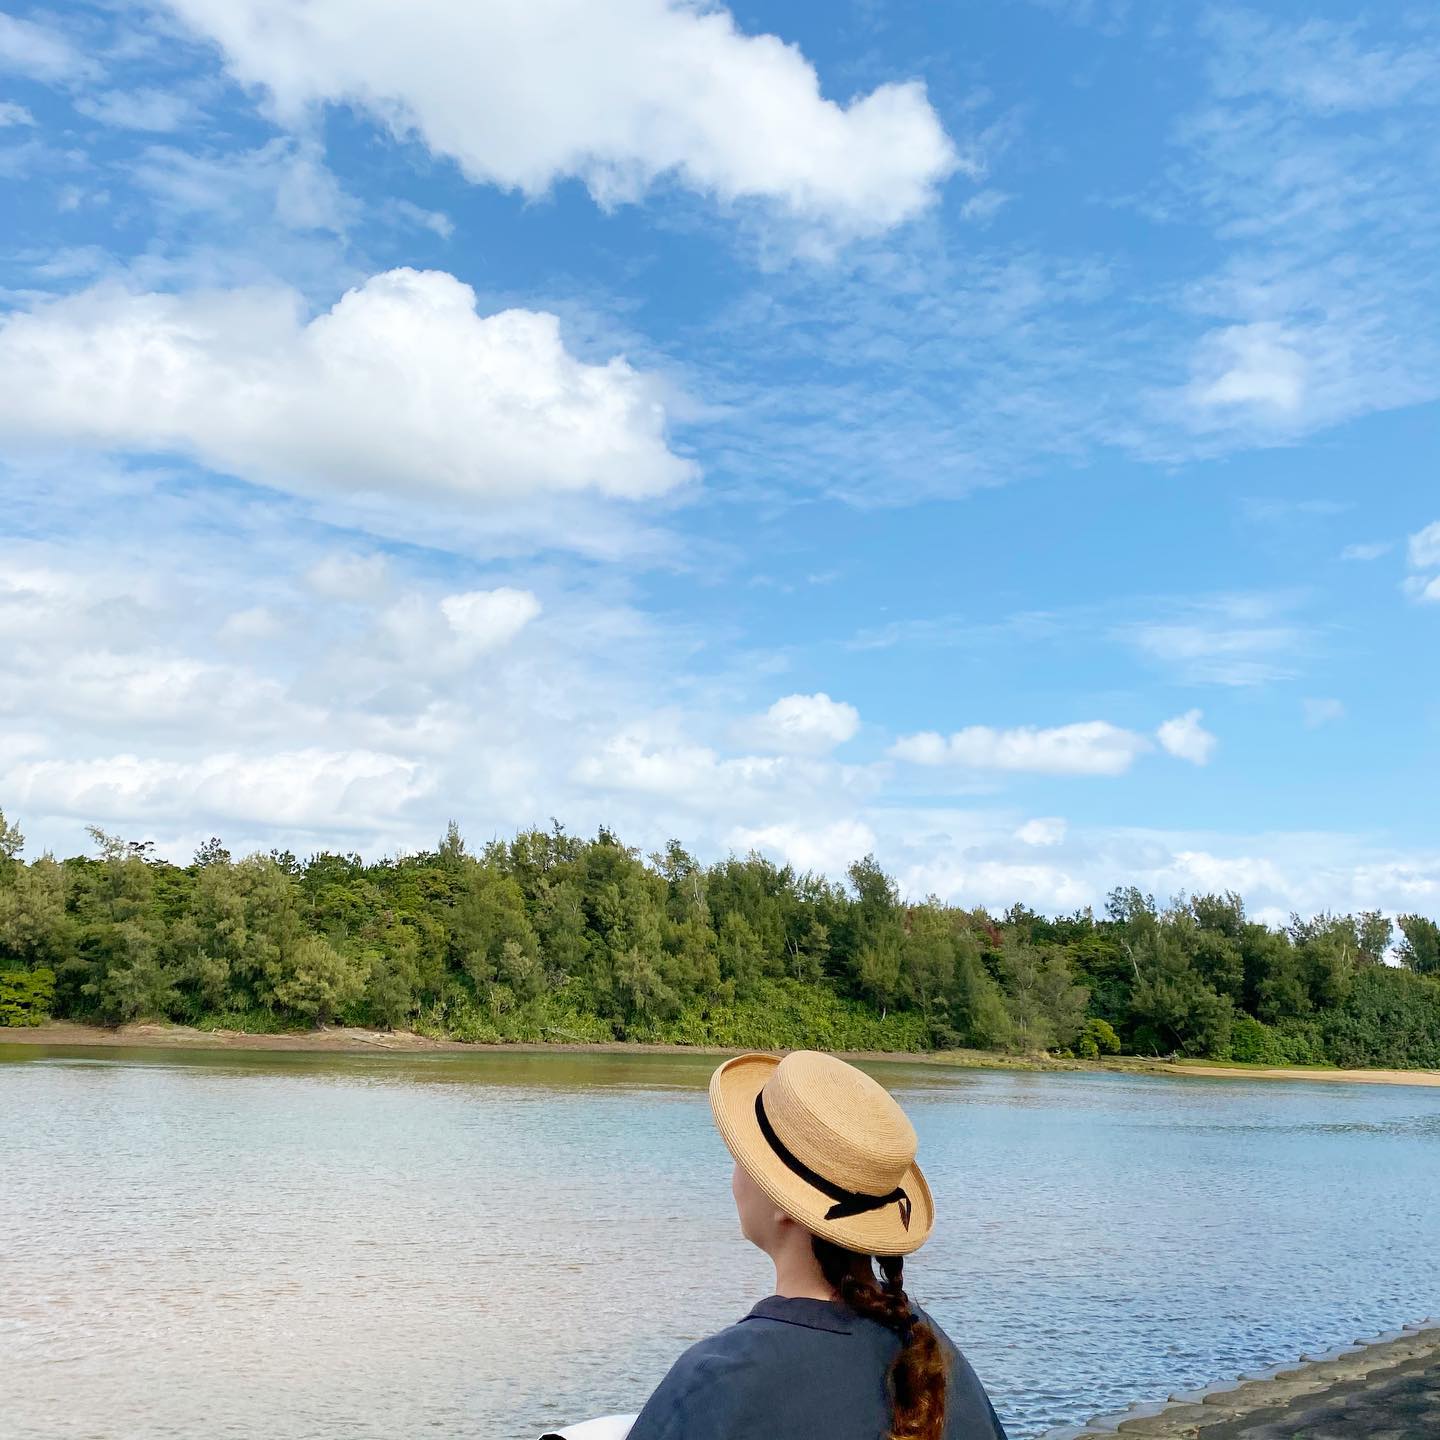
(1281, 1072)
(339, 1039)
(350, 1040)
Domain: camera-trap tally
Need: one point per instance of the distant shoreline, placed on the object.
(353, 1041)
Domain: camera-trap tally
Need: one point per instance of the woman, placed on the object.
(826, 1185)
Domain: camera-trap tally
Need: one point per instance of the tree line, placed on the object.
(550, 936)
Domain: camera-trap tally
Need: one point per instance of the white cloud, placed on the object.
(1093, 747)
(333, 740)
(57, 609)
(1255, 365)
(39, 51)
(420, 635)
(338, 733)
(968, 878)
(153, 110)
(637, 760)
(1043, 831)
(153, 690)
(1203, 873)
(824, 849)
(289, 788)
(806, 723)
(400, 390)
(1423, 551)
(12, 113)
(971, 858)
(1424, 547)
(1186, 739)
(1059, 891)
(349, 577)
(1318, 712)
(256, 623)
(486, 619)
(1367, 550)
(18, 745)
(522, 93)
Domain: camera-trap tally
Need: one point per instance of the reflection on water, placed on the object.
(301, 1245)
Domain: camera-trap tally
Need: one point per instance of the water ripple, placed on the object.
(326, 1246)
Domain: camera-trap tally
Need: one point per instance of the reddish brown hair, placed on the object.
(919, 1372)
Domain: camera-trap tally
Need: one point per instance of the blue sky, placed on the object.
(999, 436)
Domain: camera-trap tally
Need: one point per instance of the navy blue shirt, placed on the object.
(801, 1370)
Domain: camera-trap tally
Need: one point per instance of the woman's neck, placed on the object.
(798, 1275)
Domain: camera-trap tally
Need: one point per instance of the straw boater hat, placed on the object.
(828, 1145)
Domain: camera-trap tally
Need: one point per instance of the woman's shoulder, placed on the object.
(713, 1349)
(698, 1397)
(718, 1352)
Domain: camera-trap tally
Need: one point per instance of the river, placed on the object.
(316, 1245)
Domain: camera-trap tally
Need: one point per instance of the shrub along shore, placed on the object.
(551, 938)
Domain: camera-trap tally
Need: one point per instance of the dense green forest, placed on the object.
(553, 937)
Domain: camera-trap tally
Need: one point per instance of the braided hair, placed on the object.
(919, 1371)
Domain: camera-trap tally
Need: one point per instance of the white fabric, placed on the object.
(608, 1427)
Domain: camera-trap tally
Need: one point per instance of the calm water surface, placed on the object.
(297, 1245)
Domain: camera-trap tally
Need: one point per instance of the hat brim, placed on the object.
(733, 1089)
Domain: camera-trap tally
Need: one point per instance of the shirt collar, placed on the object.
(812, 1314)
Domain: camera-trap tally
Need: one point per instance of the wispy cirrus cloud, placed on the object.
(935, 367)
(959, 631)
(1319, 65)
(1318, 711)
(1279, 512)
(286, 178)
(1235, 640)
(1301, 336)
(149, 109)
(41, 51)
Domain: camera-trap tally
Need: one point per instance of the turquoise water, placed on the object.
(300, 1245)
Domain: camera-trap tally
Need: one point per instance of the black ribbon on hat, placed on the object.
(847, 1202)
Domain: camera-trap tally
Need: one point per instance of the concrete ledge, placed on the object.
(1366, 1366)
